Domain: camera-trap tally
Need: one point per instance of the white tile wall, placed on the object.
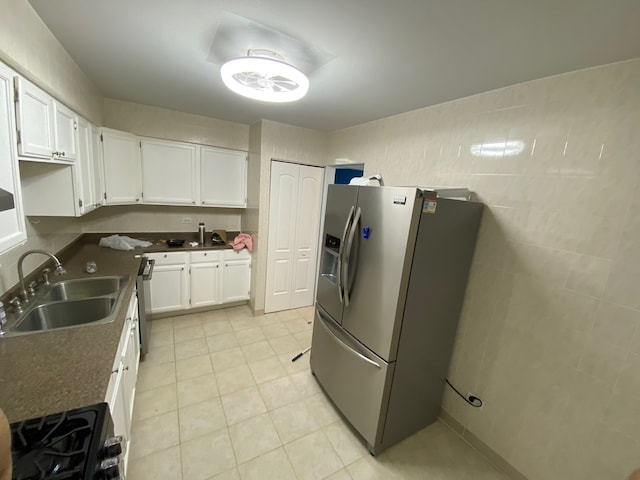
(157, 122)
(551, 322)
(28, 47)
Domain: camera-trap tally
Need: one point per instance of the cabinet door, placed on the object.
(205, 284)
(169, 288)
(168, 172)
(223, 177)
(12, 226)
(64, 130)
(84, 166)
(121, 159)
(97, 167)
(35, 120)
(117, 405)
(130, 361)
(236, 280)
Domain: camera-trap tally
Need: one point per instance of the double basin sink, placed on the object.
(71, 303)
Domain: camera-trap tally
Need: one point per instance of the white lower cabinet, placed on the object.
(237, 276)
(183, 280)
(170, 282)
(122, 386)
(205, 278)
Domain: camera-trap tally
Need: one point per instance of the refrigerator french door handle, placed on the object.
(354, 229)
(341, 253)
(344, 345)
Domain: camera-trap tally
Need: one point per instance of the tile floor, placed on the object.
(219, 398)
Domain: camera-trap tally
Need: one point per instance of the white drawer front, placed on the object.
(169, 258)
(243, 254)
(206, 256)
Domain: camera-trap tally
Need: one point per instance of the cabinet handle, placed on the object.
(62, 154)
(165, 255)
(114, 371)
(125, 368)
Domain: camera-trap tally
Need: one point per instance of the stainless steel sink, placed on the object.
(70, 303)
(85, 288)
(66, 314)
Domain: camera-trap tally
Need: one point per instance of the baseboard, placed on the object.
(494, 458)
(176, 313)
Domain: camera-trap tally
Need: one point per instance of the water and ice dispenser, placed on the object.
(329, 267)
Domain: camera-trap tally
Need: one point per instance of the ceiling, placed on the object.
(378, 57)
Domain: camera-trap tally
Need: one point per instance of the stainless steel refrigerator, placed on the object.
(393, 273)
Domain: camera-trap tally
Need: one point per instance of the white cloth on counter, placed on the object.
(121, 242)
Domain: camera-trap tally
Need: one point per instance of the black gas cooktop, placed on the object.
(68, 445)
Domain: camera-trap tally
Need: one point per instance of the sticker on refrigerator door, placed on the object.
(429, 205)
(366, 231)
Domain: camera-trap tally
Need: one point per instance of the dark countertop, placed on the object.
(159, 238)
(59, 370)
(48, 372)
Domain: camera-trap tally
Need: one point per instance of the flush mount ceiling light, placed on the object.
(264, 75)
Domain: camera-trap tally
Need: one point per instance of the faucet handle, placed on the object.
(45, 276)
(32, 288)
(16, 304)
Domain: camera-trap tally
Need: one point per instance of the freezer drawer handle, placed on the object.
(345, 346)
(341, 253)
(354, 228)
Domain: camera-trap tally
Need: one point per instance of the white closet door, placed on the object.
(282, 214)
(307, 224)
(294, 211)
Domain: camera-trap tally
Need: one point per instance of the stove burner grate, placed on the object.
(54, 447)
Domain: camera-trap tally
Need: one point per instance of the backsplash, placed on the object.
(550, 332)
(154, 218)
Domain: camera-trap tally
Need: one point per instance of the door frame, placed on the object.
(320, 217)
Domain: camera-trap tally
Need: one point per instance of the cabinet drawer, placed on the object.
(169, 258)
(243, 254)
(204, 257)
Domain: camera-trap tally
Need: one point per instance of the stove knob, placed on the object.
(109, 463)
(113, 447)
(110, 468)
(112, 473)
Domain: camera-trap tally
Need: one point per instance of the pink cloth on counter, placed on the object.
(243, 240)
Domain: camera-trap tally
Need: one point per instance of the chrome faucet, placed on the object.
(59, 270)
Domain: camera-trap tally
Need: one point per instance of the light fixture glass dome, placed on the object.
(264, 75)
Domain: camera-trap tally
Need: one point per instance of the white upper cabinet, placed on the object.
(35, 120)
(85, 181)
(98, 169)
(65, 132)
(47, 128)
(169, 172)
(223, 177)
(121, 161)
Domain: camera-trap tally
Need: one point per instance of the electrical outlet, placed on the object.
(186, 220)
